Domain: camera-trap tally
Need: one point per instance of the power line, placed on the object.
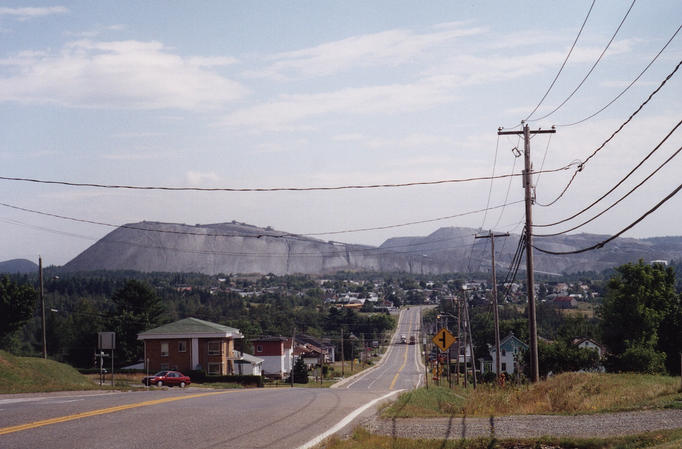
(282, 235)
(263, 189)
(490, 190)
(581, 165)
(374, 250)
(614, 204)
(619, 183)
(628, 86)
(564, 63)
(630, 226)
(591, 69)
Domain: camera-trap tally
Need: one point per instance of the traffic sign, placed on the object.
(443, 339)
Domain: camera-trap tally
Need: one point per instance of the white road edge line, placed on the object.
(345, 421)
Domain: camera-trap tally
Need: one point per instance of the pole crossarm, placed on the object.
(537, 131)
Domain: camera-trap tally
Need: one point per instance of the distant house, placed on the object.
(510, 349)
(277, 355)
(588, 343)
(247, 364)
(565, 302)
(190, 344)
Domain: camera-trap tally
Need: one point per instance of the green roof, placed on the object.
(190, 326)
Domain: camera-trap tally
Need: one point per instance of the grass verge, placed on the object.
(568, 393)
(362, 439)
(32, 375)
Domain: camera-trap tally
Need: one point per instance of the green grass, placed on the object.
(568, 393)
(32, 374)
(362, 439)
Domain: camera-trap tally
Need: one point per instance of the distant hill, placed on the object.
(14, 266)
(241, 248)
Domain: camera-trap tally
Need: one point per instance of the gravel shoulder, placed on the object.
(527, 426)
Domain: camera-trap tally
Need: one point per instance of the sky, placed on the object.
(234, 94)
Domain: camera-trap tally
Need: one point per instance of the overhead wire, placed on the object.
(262, 189)
(621, 181)
(614, 204)
(627, 228)
(627, 87)
(356, 248)
(591, 69)
(490, 190)
(581, 165)
(563, 64)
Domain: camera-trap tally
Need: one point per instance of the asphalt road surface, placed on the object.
(201, 418)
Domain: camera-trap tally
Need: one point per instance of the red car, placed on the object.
(170, 378)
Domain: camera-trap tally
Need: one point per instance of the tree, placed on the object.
(561, 356)
(640, 318)
(137, 308)
(17, 304)
(300, 371)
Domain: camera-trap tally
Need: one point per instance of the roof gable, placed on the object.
(190, 327)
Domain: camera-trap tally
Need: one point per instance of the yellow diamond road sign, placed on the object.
(443, 339)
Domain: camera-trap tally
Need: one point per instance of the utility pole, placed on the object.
(491, 235)
(293, 344)
(459, 335)
(471, 342)
(42, 304)
(530, 275)
(343, 357)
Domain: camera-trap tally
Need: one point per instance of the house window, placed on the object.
(504, 367)
(182, 346)
(259, 348)
(504, 353)
(214, 369)
(164, 366)
(164, 350)
(214, 348)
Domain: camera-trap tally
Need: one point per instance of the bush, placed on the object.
(245, 380)
(639, 359)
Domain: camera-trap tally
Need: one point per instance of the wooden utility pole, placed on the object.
(293, 340)
(471, 343)
(459, 335)
(491, 235)
(343, 357)
(42, 304)
(530, 275)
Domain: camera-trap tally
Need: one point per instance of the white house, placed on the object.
(510, 352)
(277, 355)
(246, 364)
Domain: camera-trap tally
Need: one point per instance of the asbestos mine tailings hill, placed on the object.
(230, 248)
(241, 248)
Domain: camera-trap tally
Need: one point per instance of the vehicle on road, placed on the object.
(413, 339)
(169, 378)
(403, 339)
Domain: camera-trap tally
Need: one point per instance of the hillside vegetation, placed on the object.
(568, 393)
(31, 374)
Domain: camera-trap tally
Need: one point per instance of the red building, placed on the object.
(190, 344)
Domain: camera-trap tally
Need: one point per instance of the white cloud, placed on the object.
(390, 48)
(32, 12)
(117, 74)
(285, 112)
(196, 178)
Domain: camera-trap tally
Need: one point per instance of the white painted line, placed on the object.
(65, 402)
(345, 421)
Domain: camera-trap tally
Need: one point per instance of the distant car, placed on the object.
(170, 378)
(403, 339)
(413, 339)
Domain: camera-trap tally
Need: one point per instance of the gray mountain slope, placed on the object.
(241, 248)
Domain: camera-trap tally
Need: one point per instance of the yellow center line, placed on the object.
(60, 419)
(395, 378)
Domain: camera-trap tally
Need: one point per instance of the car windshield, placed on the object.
(160, 374)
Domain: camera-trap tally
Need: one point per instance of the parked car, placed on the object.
(170, 378)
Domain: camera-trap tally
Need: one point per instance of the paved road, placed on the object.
(195, 417)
